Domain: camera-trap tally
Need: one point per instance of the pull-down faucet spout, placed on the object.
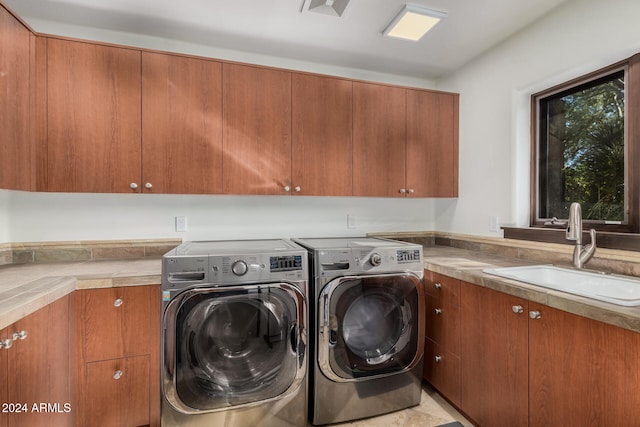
(574, 232)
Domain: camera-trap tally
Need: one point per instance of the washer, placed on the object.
(234, 334)
(367, 311)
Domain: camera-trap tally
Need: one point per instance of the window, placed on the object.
(583, 138)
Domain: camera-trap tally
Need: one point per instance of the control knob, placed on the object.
(375, 260)
(239, 268)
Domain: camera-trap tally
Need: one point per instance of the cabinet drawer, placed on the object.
(442, 370)
(118, 392)
(443, 323)
(117, 322)
(441, 286)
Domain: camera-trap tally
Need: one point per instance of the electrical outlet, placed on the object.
(494, 224)
(181, 224)
(351, 221)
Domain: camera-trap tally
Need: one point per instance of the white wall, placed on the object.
(579, 37)
(4, 216)
(36, 217)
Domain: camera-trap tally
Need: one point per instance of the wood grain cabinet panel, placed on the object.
(379, 140)
(432, 143)
(117, 353)
(16, 60)
(181, 124)
(494, 357)
(118, 392)
(36, 370)
(442, 330)
(256, 130)
(93, 117)
(582, 372)
(322, 144)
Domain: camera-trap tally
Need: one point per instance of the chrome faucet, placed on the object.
(574, 232)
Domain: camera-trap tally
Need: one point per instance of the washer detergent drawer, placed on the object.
(234, 346)
(370, 326)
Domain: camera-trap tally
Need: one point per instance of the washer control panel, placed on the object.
(333, 262)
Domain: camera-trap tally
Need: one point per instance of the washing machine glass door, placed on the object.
(235, 346)
(370, 326)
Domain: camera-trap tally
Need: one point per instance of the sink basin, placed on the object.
(620, 290)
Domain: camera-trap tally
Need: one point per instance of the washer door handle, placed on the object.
(293, 337)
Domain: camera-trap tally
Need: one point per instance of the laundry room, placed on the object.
(292, 213)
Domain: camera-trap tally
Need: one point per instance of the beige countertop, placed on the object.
(28, 287)
(468, 265)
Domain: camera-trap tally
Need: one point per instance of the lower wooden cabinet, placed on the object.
(494, 362)
(527, 364)
(117, 353)
(35, 369)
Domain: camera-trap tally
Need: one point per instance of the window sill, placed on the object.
(609, 240)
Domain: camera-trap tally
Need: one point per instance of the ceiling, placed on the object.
(286, 28)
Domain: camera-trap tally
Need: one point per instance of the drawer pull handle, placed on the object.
(117, 303)
(535, 315)
(437, 285)
(517, 309)
(117, 374)
(437, 311)
(438, 359)
(19, 335)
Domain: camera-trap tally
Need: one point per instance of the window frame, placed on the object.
(631, 68)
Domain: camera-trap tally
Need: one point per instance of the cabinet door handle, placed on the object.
(297, 188)
(411, 191)
(118, 302)
(535, 314)
(437, 285)
(403, 190)
(6, 344)
(286, 188)
(133, 186)
(19, 335)
(117, 374)
(437, 359)
(517, 309)
(148, 186)
(437, 311)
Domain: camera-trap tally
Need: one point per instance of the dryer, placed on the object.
(367, 323)
(234, 334)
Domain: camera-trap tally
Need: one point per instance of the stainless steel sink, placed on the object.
(620, 290)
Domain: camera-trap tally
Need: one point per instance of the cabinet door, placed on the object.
(181, 124)
(494, 357)
(256, 130)
(322, 144)
(39, 367)
(118, 322)
(93, 117)
(432, 143)
(379, 140)
(118, 392)
(582, 372)
(15, 93)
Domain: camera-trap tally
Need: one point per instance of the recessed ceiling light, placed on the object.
(413, 22)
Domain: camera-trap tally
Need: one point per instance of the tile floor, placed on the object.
(432, 411)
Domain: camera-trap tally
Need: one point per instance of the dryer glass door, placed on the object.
(236, 346)
(370, 326)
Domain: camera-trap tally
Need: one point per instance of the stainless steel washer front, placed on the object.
(367, 314)
(234, 340)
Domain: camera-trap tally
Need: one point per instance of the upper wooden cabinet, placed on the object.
(432, 143)
(181, 124)
(322, 150)
(405, 142)
(16, 61)
(256, 130)
(379, 140)
(93, 117)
